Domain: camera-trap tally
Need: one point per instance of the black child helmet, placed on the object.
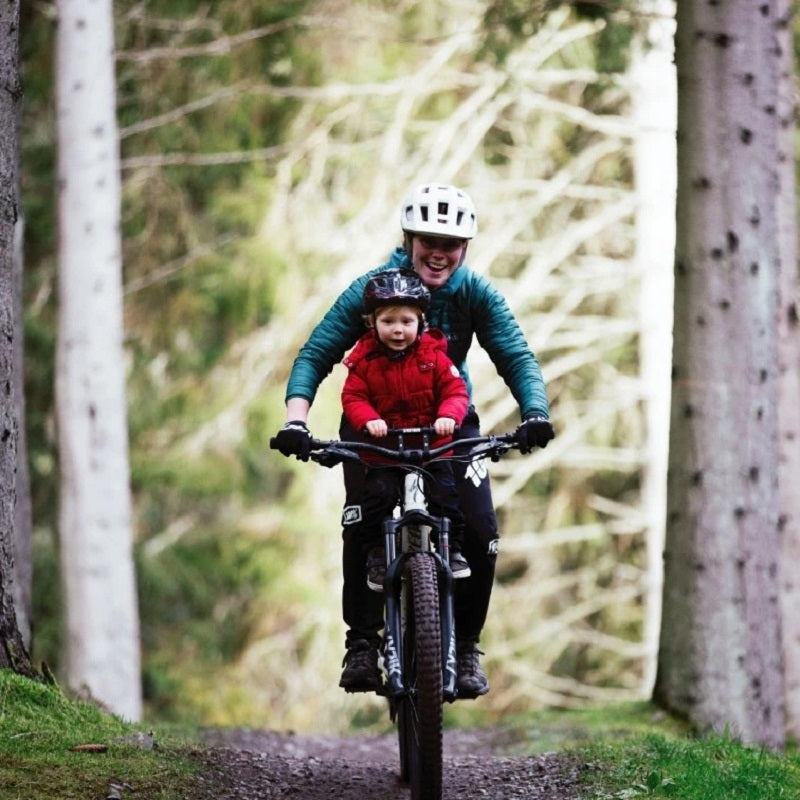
(396, 287)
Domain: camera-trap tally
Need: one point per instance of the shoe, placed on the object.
(459, 565)
(376, 568)
(471, 680)
(361, 672)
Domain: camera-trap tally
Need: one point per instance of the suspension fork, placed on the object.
(446, 612)
(393, 629)
(393, 584)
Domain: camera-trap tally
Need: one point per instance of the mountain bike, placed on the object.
(419, 638)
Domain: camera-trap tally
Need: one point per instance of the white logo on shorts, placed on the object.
(494, 547)
(477, 471)
(351, 515)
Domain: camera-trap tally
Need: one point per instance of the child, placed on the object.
(399, 376)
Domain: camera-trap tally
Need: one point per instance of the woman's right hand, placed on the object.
(294, 439)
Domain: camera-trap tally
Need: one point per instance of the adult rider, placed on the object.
(438, 221)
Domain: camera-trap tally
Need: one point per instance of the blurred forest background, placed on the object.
(265, 149)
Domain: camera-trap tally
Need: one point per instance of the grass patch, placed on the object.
(711, 768)
(40, 730)
(634, 750)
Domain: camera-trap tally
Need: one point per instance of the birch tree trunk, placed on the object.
(789, 379)
(102, 627)
(654, 109)
(13, 652)
(720, 646)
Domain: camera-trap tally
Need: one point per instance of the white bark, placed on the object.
(654, 110)
(102, 630)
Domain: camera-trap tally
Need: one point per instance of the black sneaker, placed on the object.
(361, 672)
(459, 565)
(376, 568)
(471, 681)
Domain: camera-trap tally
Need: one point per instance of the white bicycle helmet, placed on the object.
(439, 209)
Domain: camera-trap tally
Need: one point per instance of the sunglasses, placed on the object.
(444, 244)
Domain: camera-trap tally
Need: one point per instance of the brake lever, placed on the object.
(333, 456)
(494, 450)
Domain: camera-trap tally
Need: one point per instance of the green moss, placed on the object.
(39, 729)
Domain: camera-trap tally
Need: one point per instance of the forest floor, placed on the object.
(246, 764)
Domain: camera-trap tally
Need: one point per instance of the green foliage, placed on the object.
(205, 592)
(613, 45)
(508, 23)
(47, 597)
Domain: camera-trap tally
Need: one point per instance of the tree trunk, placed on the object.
(13, 652)
(789, 379)
(23, 556)
(102, 623)
(720, 646)
(654, 108)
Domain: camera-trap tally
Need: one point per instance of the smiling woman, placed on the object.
(436, 259)
(437, 221)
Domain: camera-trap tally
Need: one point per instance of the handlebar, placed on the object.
(329, 453)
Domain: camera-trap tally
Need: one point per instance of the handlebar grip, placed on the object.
(273, 443)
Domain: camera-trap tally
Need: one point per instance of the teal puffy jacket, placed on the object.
(466, 305)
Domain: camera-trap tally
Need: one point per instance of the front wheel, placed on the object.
(419, 712)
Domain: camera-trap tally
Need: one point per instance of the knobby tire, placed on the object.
(420, 711)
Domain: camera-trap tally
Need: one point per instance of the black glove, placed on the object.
(534, 432)
(294, 439)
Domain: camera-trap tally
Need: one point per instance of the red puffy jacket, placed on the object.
(411, 390)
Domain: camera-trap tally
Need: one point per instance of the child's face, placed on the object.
(397, 326)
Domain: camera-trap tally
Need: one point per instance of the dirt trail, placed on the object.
(244, 764)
